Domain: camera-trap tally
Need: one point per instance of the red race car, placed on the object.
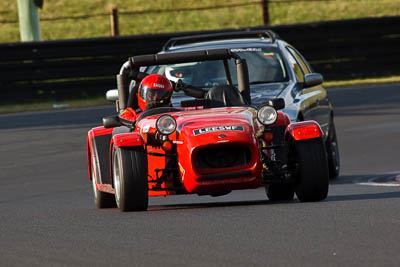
(208, 145)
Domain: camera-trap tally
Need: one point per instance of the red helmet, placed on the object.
(154, 88)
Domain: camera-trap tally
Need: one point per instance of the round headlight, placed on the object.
(267, 115)
(166, 124)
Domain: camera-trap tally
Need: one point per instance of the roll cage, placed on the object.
(132, 66)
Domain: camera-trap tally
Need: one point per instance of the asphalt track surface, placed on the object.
(47, 215)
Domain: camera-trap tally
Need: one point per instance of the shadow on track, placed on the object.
(217, 205)
(367, 196)
(342, 180)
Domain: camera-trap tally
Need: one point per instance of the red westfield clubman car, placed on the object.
(208, 145)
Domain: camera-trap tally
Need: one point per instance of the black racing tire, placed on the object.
(130, 178)
(312, 183)
(332, 151)
(280, 192)
(102, 200)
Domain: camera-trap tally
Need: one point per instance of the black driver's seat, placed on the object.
(227, 94)
(132, 99)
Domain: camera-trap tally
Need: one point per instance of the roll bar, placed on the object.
(123, 78)
(182, 57)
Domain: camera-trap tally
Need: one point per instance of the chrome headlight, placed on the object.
(166, 124)
(267, 115)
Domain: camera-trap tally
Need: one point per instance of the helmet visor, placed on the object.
(154, 95)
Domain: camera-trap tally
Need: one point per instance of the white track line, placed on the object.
(395, 180)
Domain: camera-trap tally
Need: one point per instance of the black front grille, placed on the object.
(223, 157)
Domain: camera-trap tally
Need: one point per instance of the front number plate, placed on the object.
(218, 129)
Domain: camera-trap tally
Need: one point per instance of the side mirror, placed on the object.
(277, 103)
(111, 122)
(112, 95)
(312, 79)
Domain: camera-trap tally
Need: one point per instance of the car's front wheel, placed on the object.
(312, 181)
(130, 178)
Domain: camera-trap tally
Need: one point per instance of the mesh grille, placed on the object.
(223, 157)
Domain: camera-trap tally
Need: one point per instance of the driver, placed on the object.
(183, 72)
(154, 91)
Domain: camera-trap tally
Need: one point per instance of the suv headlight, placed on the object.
(166, 124)
(267, 115)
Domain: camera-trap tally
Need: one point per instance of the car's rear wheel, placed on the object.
(101, 199)
(130, 178)
(280, 192)
(312, 181)
(332, 150)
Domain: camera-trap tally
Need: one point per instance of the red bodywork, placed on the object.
(201, 136)
(304, 130)
(194, 178)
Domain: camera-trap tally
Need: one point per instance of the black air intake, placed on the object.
(223, 157)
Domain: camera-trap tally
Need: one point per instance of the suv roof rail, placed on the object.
(220, 36)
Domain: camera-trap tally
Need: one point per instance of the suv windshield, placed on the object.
(265, 66)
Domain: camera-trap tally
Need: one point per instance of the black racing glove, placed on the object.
(178, 86)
